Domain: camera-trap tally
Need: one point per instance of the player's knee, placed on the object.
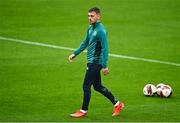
(97, 88)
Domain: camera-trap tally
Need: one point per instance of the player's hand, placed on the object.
(71, 57)
(105, 71)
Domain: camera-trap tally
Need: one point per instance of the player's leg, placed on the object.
(104, 91)
(100, 88)
(89, 78)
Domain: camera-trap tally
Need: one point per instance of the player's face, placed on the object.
(93, 17)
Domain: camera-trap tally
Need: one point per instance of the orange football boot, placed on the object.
(78, 114)
(118, 108)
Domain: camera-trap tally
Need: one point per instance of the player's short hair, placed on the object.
(94, 9)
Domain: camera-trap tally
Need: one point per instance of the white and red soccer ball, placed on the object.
(149, 90)
(161, 90)
(164, 90)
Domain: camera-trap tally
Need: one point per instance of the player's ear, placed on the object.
(98, 15)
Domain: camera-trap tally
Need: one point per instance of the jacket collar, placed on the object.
(94, 25)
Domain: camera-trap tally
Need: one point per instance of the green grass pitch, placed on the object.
(39, 84)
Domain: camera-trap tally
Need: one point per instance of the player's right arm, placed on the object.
(83, 46)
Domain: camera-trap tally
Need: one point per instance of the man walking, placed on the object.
(97, 56)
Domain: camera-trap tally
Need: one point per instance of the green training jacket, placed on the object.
(96, 44)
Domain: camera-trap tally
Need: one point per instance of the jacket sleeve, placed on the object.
(104, 44)
(83, 45)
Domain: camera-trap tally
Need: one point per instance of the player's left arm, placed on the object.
(104, 44)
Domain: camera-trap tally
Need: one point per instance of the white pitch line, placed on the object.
(145, 59)
(72, 49)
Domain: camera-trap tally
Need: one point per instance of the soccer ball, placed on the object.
(164, 90)
(159, 89)
(149, 90)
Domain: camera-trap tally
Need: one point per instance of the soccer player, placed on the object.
(97, 56)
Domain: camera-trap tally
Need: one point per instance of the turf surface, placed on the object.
(39, 84)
